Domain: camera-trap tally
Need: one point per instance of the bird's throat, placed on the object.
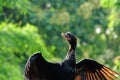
(71, 48)
(70, 57)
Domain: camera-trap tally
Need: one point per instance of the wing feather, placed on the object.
(87, 75)
(37, 68)
(91, 70)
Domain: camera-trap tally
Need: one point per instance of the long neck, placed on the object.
(71, 47)
(70, 57)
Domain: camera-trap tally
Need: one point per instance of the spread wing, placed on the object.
(92, 70)
(37, 68)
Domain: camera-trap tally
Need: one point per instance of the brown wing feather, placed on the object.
(92, 70)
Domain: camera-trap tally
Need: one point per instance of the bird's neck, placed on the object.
(70, 58)
(71, 47)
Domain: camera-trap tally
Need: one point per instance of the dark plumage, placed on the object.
(37, 68)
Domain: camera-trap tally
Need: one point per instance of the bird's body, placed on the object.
(37, 68)
(41, 67)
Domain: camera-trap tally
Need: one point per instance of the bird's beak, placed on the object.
(65, 36)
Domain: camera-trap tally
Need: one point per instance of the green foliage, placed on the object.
(23, 5)
(28, 26)
(63, 18)
(10, 71)
(22, 39)
(17, 44)
(114, 7)
(117, 63)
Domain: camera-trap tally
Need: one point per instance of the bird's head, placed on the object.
(71, 39)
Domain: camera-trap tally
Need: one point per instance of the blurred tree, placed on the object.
(37, 24)
(113, 29)
(17, 44)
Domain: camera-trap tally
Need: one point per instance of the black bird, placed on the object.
(37, 68)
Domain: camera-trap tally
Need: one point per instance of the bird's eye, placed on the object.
(68, 34)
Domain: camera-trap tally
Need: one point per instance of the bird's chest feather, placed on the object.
(65, 72)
